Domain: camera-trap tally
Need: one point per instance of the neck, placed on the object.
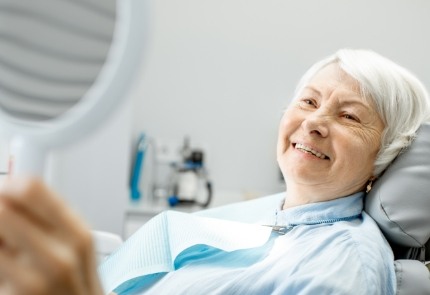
(297, 195)
(294, 199)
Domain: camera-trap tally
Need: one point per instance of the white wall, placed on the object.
(222, 71)
(93, 174)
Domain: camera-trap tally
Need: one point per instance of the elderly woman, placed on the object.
(352, 114)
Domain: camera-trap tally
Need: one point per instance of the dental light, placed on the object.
(65, 65)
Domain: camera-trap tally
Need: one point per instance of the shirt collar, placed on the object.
(344, 208)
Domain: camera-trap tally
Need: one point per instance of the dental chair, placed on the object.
(400, 204)
(105, 243)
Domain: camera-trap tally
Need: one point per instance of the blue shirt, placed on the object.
(327, 248)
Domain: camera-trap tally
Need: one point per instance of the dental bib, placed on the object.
(155, 247)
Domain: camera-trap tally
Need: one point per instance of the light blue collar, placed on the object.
(345, 208)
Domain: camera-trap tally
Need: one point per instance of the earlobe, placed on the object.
(369, 184)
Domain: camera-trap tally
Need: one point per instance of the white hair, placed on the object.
(400, 98)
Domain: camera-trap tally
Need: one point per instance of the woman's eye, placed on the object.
(308, 101)
(350, 117)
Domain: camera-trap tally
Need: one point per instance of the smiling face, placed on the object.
(328, 139)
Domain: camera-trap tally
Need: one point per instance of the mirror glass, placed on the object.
(51, 52)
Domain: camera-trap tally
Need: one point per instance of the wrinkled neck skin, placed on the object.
(298, 194)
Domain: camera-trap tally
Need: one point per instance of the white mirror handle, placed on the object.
(27, 157)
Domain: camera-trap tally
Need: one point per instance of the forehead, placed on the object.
(331, 78)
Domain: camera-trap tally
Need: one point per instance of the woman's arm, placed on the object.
(44, 247)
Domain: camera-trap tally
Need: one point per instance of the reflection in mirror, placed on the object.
(51, 52)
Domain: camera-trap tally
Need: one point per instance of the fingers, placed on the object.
(40, 204)
(21, 236)
(24, 278)
(17, 279)
(30, 207)
(52, 249)
(46, 211)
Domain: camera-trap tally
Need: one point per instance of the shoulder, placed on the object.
(368, 241)
(369, 253)
(341, 258)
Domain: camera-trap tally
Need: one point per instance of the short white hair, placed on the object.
(400, 98)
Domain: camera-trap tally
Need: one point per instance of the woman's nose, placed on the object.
(317, 123)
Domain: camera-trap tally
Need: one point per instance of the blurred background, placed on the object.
(215, 78)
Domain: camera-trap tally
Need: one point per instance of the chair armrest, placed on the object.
(413, 277)
(105, 243)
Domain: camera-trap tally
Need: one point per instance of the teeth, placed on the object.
(310, 151)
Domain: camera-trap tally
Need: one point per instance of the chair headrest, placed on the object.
(400, 199)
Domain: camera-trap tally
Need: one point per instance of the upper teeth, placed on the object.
(309, 150)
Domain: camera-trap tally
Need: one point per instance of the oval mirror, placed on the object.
(64, 67)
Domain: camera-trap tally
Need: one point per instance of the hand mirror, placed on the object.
(64, 67)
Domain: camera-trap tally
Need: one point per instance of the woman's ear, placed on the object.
(370, 183)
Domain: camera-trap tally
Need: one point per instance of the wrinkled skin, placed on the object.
(343, 130)
(44, 247)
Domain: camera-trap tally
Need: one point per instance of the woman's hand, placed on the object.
(44, 247)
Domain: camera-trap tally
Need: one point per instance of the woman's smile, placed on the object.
(310, 150)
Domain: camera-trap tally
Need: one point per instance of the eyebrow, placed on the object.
(355, 102)
(348, 102)
(312, 89)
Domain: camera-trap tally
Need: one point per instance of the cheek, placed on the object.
(284, 131)
(370, 144)
(289, 121)
(360, 154)
(369, 138)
